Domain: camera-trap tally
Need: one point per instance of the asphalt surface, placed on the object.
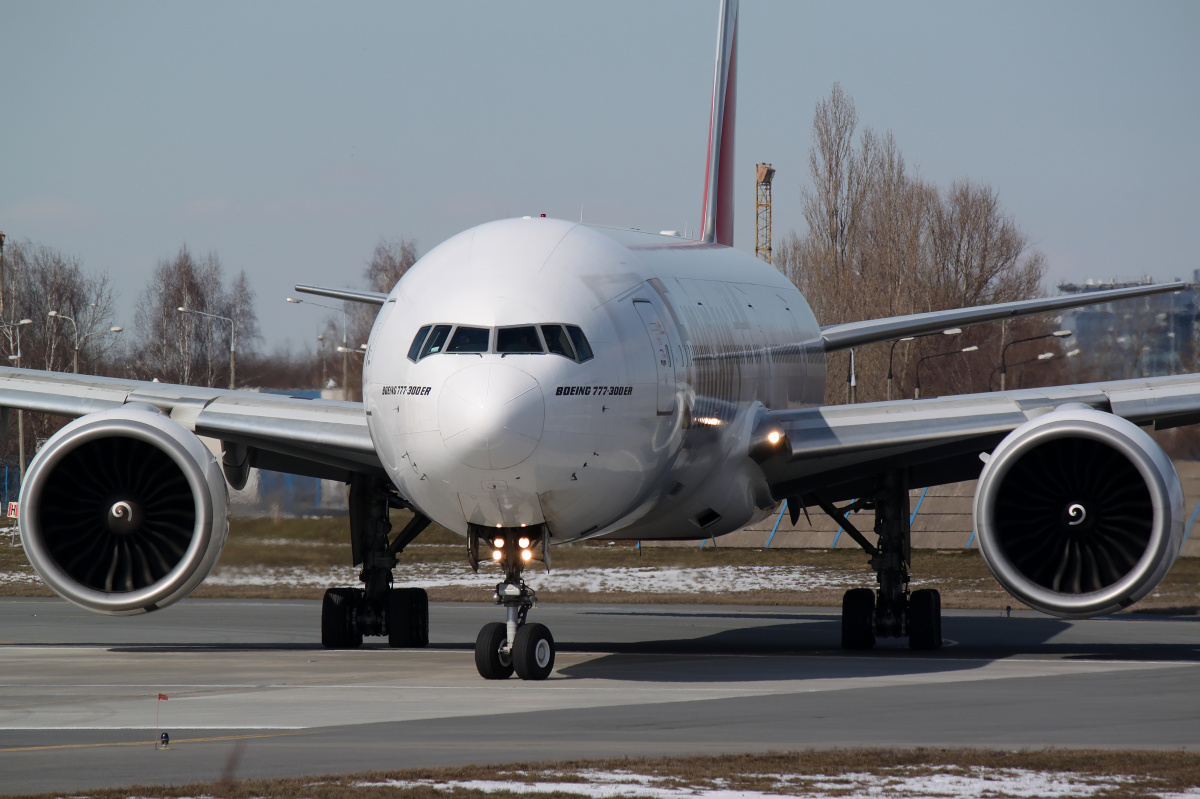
(252, 693)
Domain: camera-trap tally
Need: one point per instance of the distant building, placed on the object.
(1143, 337)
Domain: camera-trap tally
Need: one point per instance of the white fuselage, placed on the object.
(647, 439)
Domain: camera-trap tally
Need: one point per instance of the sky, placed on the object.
(290, 137)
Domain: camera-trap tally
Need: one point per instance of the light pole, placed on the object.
(1004, 352)
(917, 389)
(78, 340)
(232, 339)
(16, 359)
(950, 331)
(891, 353)
(342, 349)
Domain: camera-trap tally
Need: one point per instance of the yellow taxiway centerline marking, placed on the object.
(150, 743)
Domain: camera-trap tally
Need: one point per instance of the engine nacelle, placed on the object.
(124, 511)
(1079, 513)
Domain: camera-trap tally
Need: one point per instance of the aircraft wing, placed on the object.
(314, 437)
(869, 331)
(836, 450)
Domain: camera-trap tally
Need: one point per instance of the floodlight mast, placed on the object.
(232, 340)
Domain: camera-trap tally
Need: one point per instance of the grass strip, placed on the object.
(1106, 774)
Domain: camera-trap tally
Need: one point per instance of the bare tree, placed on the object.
(193, 348)
(883, 242)
(45, 280)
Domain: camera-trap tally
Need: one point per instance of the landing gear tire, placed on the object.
(925, 619)
(489, 660)
(339, 609)
(858, 619)
(408, 617)
(533, 652)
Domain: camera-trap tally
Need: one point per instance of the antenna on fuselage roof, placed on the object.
(717, 226)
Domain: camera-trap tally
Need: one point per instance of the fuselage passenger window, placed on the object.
(437, 340)
(470, 339)
(557, 341)
(582, 349)
(512, 340)
(418, 340)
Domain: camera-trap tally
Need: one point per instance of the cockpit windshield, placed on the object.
(565, 340)
(516, 340)
(436, 341)
(470, 339)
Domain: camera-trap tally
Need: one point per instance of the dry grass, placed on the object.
(960, 575)
(1120, 774)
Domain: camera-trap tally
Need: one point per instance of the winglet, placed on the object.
(717, 227)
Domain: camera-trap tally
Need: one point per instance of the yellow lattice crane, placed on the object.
(764, 174)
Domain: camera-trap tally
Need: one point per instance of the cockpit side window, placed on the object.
(436, 341)
(557, 341)
(582, 349)
(418, 340)
(513, 340)
(470, 339)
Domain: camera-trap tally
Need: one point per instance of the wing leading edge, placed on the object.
(870, 331)
(319, 438)
(838, 450)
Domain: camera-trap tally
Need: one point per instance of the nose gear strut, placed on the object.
(513, 645)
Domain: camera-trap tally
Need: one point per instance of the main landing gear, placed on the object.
(513, 645)
(378, 608)
(893, 611)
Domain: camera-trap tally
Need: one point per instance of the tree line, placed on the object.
(58, 316)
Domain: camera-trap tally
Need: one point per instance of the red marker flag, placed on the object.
(162, 696)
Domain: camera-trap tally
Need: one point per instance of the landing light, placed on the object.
(523, 543)
(497, 554)
(498, 543)
(526, 554)
(774, 436)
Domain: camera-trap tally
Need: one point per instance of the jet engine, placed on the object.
(1079, 513)
(124, 511)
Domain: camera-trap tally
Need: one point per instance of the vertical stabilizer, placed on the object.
(717, 226)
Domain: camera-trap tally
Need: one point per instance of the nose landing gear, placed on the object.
(513, 645)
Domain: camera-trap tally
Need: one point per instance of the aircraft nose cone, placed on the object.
(491, 415)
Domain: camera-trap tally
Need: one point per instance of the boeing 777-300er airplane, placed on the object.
(537, 381)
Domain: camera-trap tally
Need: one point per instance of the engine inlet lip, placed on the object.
(62, 444)
(1165, 496)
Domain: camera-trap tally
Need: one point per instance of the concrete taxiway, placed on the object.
(252, 693)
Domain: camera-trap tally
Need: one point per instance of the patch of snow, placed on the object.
(642, 579)
(19, 578)
(943, 783)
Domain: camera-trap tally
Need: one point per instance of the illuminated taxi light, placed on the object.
(498, 543)
(711, 421)
(774, 436)
(497, 554)
(526, 554)
(523, 543)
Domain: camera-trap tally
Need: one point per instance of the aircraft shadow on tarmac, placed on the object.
(790, 645)
(813, 644)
